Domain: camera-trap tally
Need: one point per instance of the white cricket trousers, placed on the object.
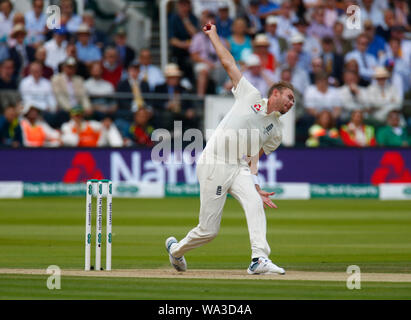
(216, 180)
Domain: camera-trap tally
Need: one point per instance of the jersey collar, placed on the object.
(275, 114)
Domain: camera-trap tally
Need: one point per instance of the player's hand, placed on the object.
(265, 196)
(209, 29)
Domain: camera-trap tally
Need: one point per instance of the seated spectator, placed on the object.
(333, 62)
(182, 26)
(239, 40)
(126, 54)
(36, 132)
(6, 19)
(35, 89)
(342, 46)
(148, 71)
(356, 133)
(81, 68)
(69, 90)
(323, 133)
(369, 11)
(382, 97)
(56, 49)
(36, 23)
(311, 45)
(321, 96)
(206, 63)
(87, 52)
(252, 19)
(100, 92)
(223, 21)
(297, 44)
(112, 68)
(260, 45)
(353, 97)
(318, 28)
(9, 94)
(135, 86)
(384, 30)
(10, 130)
(139, 132)
(352, 65)
(40, 57)
(377, 43)
(402, 14)
(366, 62)
(277, 45)
(173, 108)
(79, 132)
(73, 20)
(97, 37)
(258, 76)
(393, 134)
(20, 53)
(317, 66)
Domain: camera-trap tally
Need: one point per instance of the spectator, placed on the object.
(112, 68)
(4, 51)
(8, 85)
(100, 92)
(35, 89)
(323, 133)
(87, 52)
(277, 45)
(10, 130)
(20, 53)
(149, 72)
(260, 45)
(393, 134)
(126, 54)
(317, 66)
(333, 62)
(56, 49)
(366, 61)
(40, 57)
(267, 8)
(353, 97)
(36, 23)
(376, 45)
(342, 46)
(206, 63)
(239, 41)
(81, 68)
(97, 37)
(134, 86)
(173, 108)
(311, 45)
(69, 90)
(259, 77)
(223, 21)
(402, 14)
(318, 28)
(384, 30)
(321, 96)
(240, 9)
(356, 133)
(286, 19)
(79, 132)
(397, 32)
(382, 97)
(330, 13)
(182, 27)
(304, 58)
(138, 134)
(6, 19)
(252, 19)
(73, 20)
(36, 132)
(369, 11)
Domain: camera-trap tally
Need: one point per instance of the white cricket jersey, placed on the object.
(247, 124)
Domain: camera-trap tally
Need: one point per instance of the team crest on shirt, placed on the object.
(268, 128)
(256, 108)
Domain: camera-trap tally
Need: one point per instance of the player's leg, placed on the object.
(243, 189)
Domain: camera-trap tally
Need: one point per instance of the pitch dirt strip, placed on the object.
(218, 274)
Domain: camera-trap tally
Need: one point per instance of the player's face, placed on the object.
(284, 100)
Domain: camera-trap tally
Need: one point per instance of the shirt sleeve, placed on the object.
(271, 145)
(245, 90)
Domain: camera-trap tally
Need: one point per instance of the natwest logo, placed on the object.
(83, 168)
(392, 169)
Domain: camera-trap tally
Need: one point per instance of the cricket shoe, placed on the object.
(179, 264)
(264, 266)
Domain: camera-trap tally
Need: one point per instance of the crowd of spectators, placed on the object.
(80, 86)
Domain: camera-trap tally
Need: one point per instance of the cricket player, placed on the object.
(218, 174)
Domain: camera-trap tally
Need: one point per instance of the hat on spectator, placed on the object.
(83, 28)
(261, 40)
(18, 28)
(77, 110)
(381, 73)
(297, 38)
(253, 60)
(172, 70)
(70, 61)
(222, 5)
(28, 106)
(271, 20)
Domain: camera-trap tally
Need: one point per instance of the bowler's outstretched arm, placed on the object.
(226, 59)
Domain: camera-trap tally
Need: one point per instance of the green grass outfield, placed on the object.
(312, 235)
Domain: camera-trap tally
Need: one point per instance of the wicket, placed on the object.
(99, 222)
